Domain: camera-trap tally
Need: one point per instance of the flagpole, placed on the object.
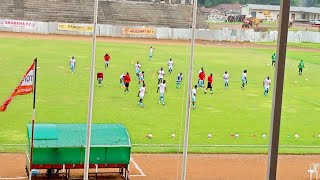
(91, 88)
(187, 123)
(33, 114)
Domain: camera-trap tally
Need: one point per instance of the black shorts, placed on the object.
(126, 84)
(209, 85)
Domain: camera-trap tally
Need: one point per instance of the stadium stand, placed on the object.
(110, 12)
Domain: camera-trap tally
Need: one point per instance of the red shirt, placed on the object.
(202, 76)
(210, 79)
(127, 79)
(100, 75)
(106, 57)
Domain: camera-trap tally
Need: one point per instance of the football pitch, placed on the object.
(62, 97)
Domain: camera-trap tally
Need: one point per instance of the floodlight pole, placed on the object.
(187, 121)
(91, 88)
(278, 90)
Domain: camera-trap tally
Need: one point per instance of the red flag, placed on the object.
(25, 87)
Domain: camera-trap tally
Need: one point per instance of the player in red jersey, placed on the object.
(106, 60)
(126, 80)
(202, 76)
(99, 78)
(210, 81)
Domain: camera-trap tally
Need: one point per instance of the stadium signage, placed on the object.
(18, 24)
(72, 27)
(145, 31)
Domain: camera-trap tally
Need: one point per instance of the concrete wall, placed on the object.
(226, 34)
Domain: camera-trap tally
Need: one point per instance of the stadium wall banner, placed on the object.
(145, 31)
(72, 27)
(8, 23)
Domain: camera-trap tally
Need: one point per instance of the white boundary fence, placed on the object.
(226, 34)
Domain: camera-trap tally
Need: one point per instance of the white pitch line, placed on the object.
(137, 167)
(226, 145)
(15, 178)
(303, 99)
(204, 145)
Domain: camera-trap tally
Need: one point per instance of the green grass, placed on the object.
(63, 97)
(298, 45)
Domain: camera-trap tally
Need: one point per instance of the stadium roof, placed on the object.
(277, 8)
(74, 135)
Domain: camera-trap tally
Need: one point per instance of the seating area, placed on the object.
(7, 8)
(110, 12)
(144, 13)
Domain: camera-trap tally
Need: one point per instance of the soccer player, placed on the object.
(99, 78)
(201, 70)
(273, 59)
(179, 79)
(193, 96)
(244, 79)
(210, 80)
(141, 78)
(161, 74)
(301, 66)
(126, 80)
(226, 79)
(141, 93)
(137, 67)
(121, 81)
(106, 60)
(170, 65)
(72, 64)
(202, 76)
(266, 85)
(162, 88)
(151, 52)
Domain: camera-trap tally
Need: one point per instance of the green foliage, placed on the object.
(62, 97)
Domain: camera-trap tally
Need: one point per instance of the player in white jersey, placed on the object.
(141, 93)
(161, 74)
(121, 81)
(162, 89)
(137, 68)
(151, 52)
(244, 79)
(141, 78)
(193, 96)
(72, 64)
(226, 79)
(179, 79)
(266, 85)
(170, 65)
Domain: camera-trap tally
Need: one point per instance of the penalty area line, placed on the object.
(137, 167)
(303, 99)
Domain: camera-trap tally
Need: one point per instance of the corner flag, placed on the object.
(25, 87)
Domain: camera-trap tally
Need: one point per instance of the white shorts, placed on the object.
(141, 96)
(193, 99)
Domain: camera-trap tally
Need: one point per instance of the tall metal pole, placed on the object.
(91, 88)
(278, 90)
(35, 62)
(187, 121)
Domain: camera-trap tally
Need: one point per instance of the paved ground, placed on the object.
(200, 166)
